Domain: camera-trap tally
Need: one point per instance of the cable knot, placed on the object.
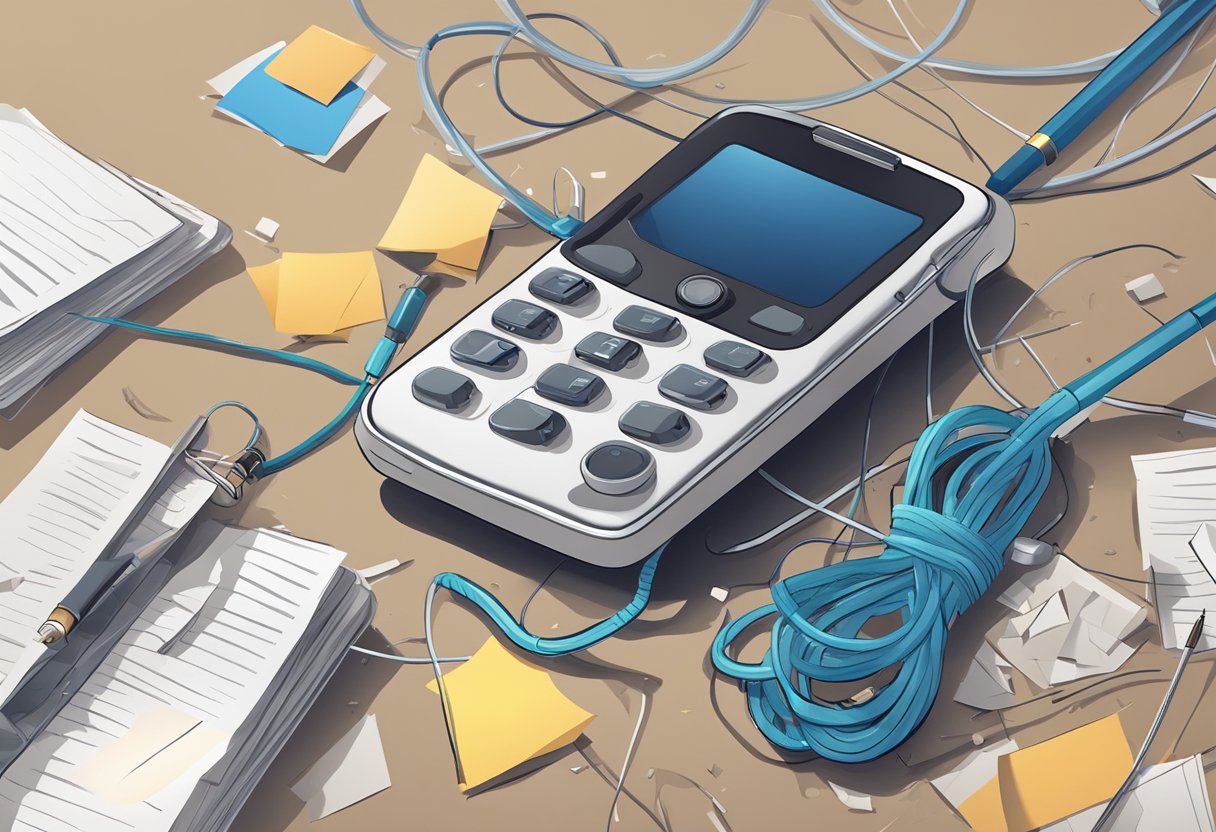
(965, 560)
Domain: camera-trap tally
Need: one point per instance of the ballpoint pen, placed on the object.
(1177, 18)
(1192, 641)
(113, 561)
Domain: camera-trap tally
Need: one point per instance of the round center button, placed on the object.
(700, 291)
(617, 468)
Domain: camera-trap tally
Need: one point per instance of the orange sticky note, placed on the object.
(319, 63)
(1044, 783)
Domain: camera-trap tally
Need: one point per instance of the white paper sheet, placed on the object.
(353, 770)
(855, 800)
(986, 685)
(267, 588)
(58, 519)
(64, 220)
(976, 769)
(1175, 497)
(1069, 624)
(1171, 796)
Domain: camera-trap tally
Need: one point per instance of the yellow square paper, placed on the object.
(319, 63)
(505, 711)
(444, 213)
(319, 294)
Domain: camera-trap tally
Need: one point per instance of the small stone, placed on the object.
(977, 739)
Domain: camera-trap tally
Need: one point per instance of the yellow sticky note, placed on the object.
(319, 63)
(160, 747)
(319, 294)
(1044, 783)
(444, 213)
(505, 711)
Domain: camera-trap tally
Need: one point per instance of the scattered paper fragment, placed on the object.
(136, 404)
(266, 229)
(715, 821)
(505, 711)
(1203, 544)
(719, 594)
(715, 770)
(975, 771)
(320, 294)
(855, 800)
(577, 769)
(599, 174)
(1145, 287)
(353, 770)
(370, 573)
(319, 63)
(1208, 182)
(443, 213)
(986, 685)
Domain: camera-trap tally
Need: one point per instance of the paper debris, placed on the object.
(715, 821)
(266, 229)
(370, 573)
(1208, 182)
(1175, 498)
(975, 771)
(986, 685)
(1203, 544)
(319, 63)
(1171, 796)
(577, 769)
(855, 800)
(320, 294)
(719, 594)
(136, 404)
(353, 770)
(715, 770)
(506, 711)
(599, 174)
(1069, 624)
(443, 213)
(1145, 288)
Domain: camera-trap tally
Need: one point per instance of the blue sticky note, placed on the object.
(290, 116)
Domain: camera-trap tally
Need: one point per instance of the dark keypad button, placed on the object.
(527, 422)
(478, 348)
(693, 387)
(641, 322)
(569, 385)
(778, 320)
(737, 359)
(612, 262)
(617, 468)
(443, 388)
(527, 320)
(655, 423)
(612, 352)
(560, 286)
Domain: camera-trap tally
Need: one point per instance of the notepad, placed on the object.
(319, 63)
(57, 520)
(268, 586)
(445, 214)
(319, 294)
(504, 712)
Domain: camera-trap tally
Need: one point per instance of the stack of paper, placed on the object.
(1175, 498)
(186, 711)
(311, 94)
(1069, 625)
(57, 520)
(76, 236)
(320, 294)
(1006, 789)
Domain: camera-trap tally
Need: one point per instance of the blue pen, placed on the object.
(1176, 20)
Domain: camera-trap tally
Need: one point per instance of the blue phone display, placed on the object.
(773, 226)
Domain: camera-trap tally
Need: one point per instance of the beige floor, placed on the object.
(121, 80)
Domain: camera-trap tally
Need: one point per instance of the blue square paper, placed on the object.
(291, 116)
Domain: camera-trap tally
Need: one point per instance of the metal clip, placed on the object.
(230, 473)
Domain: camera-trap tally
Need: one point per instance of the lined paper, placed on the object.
(1175, 496)
(58, 519)
(261, 589)
(64, 220)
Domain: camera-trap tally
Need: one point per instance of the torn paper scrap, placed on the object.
(855, 800)
(319, 63)
(370, 573)
(353, 770)
(976, 770)
(443, 213)
(1145, 287)
(1171, 796)
(1203, 544)
(266, 229)
(1175, 497)
(162, 745)
(986, 685)
(719, 594)
(1208, 182)
(599, 174)
(504, 712)
(320, 294)
(1069, 624)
